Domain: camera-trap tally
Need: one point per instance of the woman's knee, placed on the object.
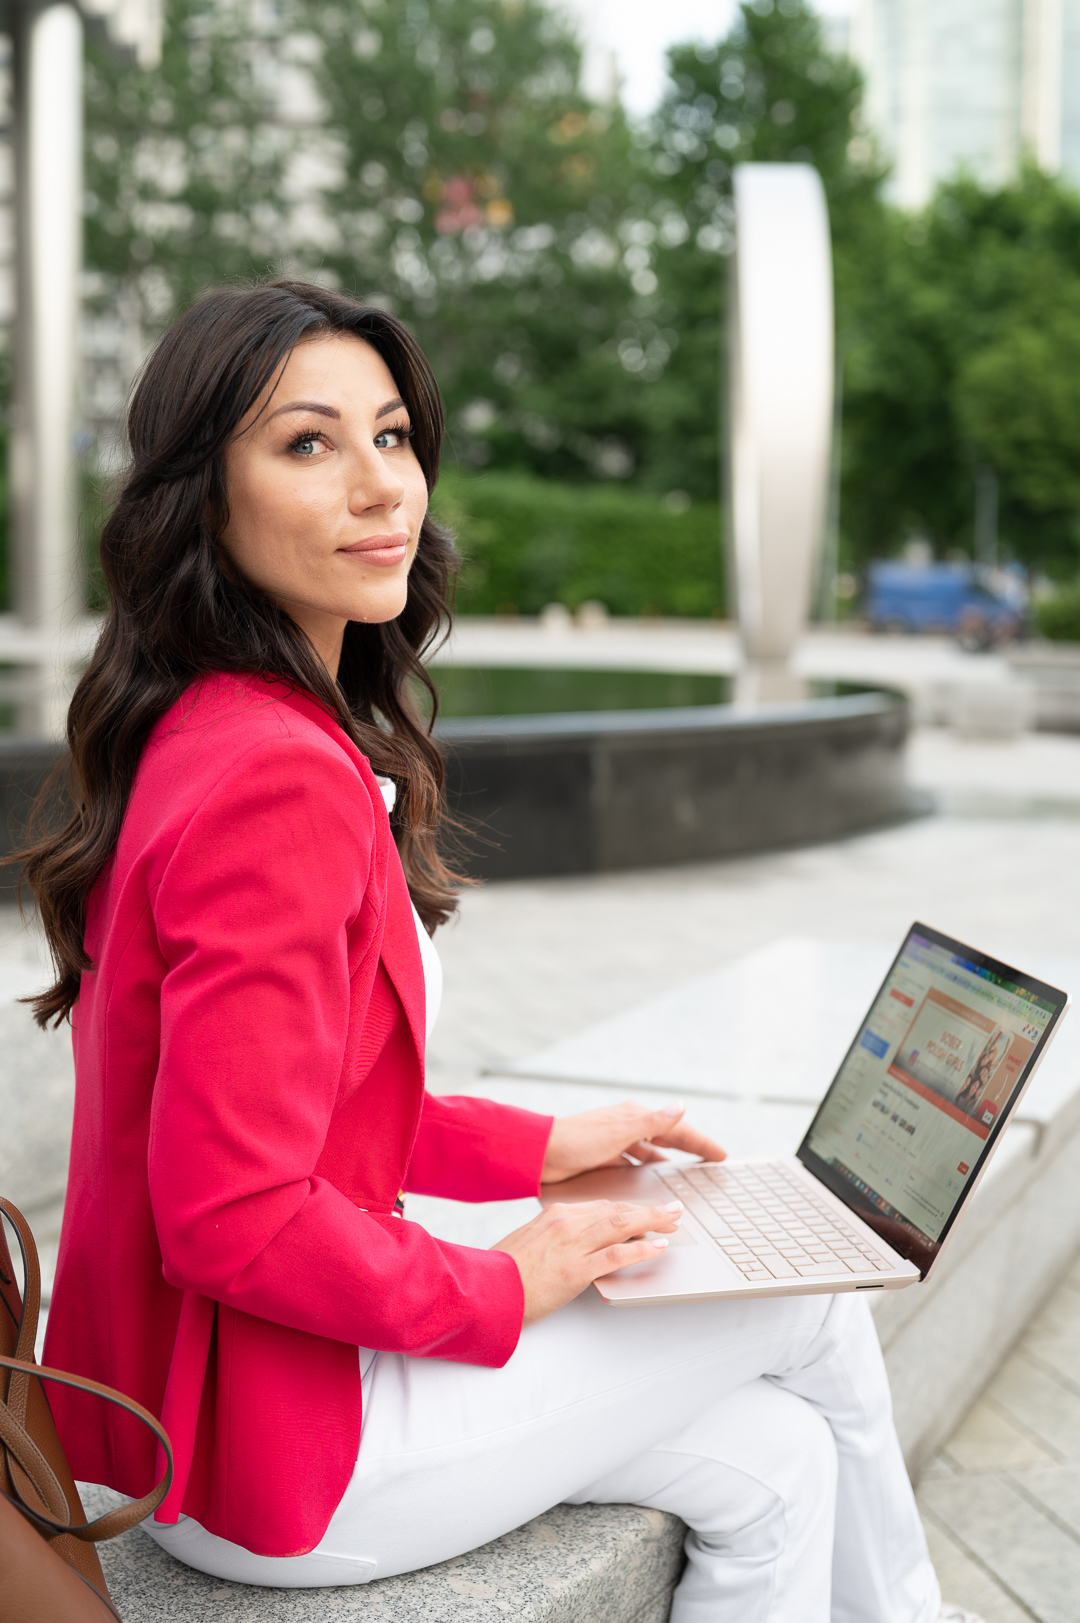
(776, 1439)
(759, 1465)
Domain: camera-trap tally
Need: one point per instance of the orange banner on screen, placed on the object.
(961, 1060)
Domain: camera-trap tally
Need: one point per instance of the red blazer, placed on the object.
(249, 1103)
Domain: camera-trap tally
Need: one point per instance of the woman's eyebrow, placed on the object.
(309, 405)
(324, 410)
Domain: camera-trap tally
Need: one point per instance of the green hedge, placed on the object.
(528, 542)
(1059, 617)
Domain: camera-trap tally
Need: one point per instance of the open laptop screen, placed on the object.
(926, 1087)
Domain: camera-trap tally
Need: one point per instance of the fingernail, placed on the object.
(673, 1206)
(659, 1239)
(675, 1109)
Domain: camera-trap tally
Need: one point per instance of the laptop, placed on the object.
(899, 1143)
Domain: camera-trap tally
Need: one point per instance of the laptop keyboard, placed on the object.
(768, 1223)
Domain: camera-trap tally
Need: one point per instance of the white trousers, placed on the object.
(766, 1425)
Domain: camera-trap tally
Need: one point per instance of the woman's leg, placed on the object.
(453, 1455)
(592, 1389)
(755, 1478)
(881, 1559)
(756, 1485)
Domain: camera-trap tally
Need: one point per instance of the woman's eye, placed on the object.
(391, 439)
(306, 446)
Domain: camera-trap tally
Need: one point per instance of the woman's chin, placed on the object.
(378, 607)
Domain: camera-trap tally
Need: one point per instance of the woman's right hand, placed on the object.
(567, 1246)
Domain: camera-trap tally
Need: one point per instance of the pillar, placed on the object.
(47, 571)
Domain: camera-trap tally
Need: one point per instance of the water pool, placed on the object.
(512, 690)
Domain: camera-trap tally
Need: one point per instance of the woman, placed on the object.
(229, 912)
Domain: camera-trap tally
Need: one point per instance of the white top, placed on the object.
(433, 975)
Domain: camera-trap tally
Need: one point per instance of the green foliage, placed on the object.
(565, 271)
(529, 541)
(492, 207)
(968, 353)
(482, 195)
(185, 164)
(1058, 618)
(768, 93)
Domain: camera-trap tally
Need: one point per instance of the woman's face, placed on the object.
(325, 495)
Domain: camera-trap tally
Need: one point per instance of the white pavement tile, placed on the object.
(965, 1582)
(1036, 1561)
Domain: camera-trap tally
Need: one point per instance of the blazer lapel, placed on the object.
(400, 946)
(401, 951)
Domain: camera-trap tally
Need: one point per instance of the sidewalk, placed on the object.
(1001, 1503)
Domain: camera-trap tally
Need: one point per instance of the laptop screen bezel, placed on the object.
(911, 1243)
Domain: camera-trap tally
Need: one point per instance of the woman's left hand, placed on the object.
(610, 1137)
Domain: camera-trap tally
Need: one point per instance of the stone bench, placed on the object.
(575, 1564)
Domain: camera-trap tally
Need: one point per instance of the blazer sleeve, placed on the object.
(475, 1149)
(265, 915)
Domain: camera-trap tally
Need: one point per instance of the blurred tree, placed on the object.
(187, 164)
(769, 92)
(188, 170)
(564, 271)
(486, 200)
(968, 356)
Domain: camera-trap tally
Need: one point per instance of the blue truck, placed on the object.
(953, 598)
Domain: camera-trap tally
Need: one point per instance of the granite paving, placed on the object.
(1001, 1501)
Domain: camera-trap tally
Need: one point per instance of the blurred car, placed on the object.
(956, 598)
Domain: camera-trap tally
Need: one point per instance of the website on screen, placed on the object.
(938, 1060)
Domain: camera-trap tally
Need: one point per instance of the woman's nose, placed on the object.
(375, 484)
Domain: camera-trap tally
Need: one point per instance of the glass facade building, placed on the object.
(970, 83)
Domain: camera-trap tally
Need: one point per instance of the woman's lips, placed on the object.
(384, 550)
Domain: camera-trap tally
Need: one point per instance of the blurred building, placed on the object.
(973, 83)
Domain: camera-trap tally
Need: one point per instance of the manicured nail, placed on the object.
(675, 1109)
(673, 1206)
(659, 1239)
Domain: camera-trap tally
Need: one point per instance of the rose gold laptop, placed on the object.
(898, 1144)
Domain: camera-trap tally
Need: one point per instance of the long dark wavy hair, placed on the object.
(175, 615)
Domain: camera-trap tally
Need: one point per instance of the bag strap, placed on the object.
(19, 1386)
(28, 1468)
(19, 1443)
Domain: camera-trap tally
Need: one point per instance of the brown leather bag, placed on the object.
(49, 1569)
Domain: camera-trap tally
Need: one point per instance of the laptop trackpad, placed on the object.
(638, 1184)
(682, 1236)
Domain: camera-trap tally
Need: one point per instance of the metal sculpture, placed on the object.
(781, 402)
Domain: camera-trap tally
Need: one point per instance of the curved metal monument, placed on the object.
(781, 401)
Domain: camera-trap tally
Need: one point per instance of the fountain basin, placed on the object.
(587, 792)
